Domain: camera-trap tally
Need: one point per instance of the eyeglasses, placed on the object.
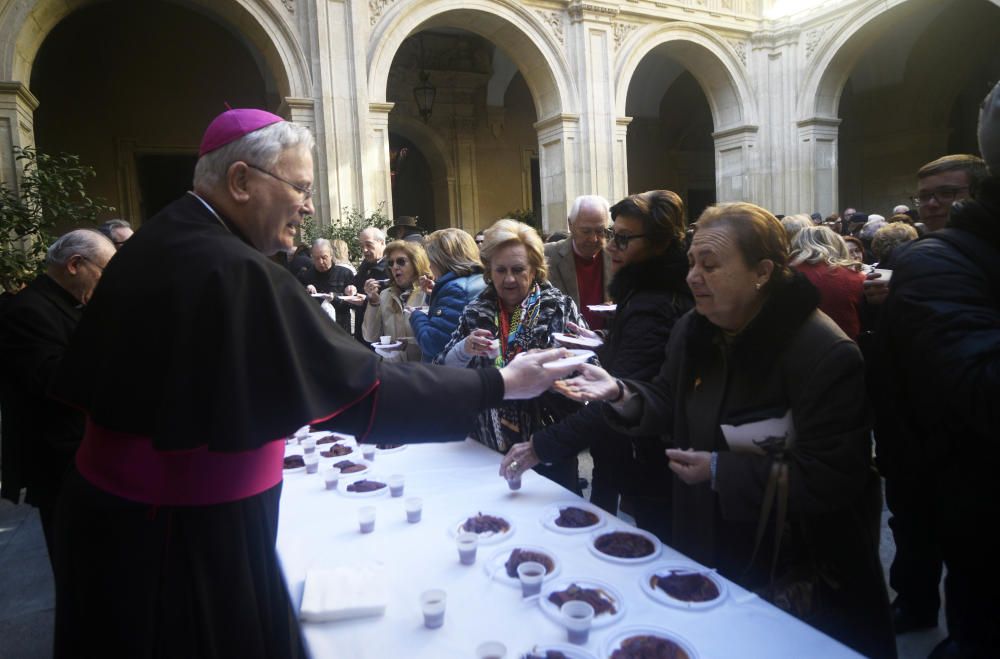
(401, 262)
(944, 195)
(599, 232)
(621, 240)
(307, 193)
(93, 263)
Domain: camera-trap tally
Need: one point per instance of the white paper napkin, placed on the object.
(341, 593)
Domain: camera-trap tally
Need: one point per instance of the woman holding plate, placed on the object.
(389, 308)
(519, 311)
(761, 397)
(649, 266)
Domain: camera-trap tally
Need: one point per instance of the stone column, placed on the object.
(590, 43)
(559, 166)
(818, 158)
(620, 159)
(17, 127)
(303, 111)
(378, 178)
(736, 164)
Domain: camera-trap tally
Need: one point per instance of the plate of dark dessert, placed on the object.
(351, 467)
(576, 341)
(363, 487)
(337, 450)
(389, 448)
(490, 528)
(608, 603)
(648, 641)
(625, 547)
(684, 585)
(572, 517)
(502, 566)
(556, 651)
(331, 437)
(293, 464)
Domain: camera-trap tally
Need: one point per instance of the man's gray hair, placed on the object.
(108, 228)
(594, 201)
(322, 242)
(262, 148)
(83, 242)
(379, 234)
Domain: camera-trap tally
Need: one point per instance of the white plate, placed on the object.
(388, 346)
(342, 488)
(578, 341)
(397, 449)
(603, 620)
(659, 595)
(348, 298)
(614, 643)
(329, 462)
(657, 547)
(347, 456)
(550, 514)
(495, 566)
(603, 308)
(325, 296)
(488, 538)
(296, 470)
(571, 651)
(576, 357)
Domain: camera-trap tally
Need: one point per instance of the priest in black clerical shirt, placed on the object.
(325, 277)
(165, 529)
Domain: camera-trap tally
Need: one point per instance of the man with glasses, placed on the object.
(117, 231)
(40, 435)
(579, 266)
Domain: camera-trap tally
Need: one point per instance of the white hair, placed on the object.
(379, 234)
(901, 208)
(593, 201)
(819, 244)
(79, 242)
(262, 148)
(322, 243)
(874, 223)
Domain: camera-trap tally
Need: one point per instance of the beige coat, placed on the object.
(562, 269)
(388, 317)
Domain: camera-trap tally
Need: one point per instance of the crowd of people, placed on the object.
(756, 378)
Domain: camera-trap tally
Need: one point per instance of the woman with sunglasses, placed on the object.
(649, 264)
(389, 304)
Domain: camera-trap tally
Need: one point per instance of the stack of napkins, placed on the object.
(355, 591)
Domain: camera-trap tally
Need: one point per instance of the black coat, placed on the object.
(377, 270)
(791, 358)
(651, 296)
(40, 435)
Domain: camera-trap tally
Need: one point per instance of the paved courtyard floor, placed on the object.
(27, 597)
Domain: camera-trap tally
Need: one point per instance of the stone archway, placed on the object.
(442, 166)
(516, 30)
(722, 76)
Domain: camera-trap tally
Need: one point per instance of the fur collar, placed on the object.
(759, 345)
(666, 272)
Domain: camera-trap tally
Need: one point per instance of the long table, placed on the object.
(319, 529)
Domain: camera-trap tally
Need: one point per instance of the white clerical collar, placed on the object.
(210, 209)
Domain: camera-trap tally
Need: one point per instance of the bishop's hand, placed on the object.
(525, 377)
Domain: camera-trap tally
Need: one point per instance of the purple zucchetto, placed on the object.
(231, 125)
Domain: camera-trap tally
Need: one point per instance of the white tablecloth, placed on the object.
(319, 528)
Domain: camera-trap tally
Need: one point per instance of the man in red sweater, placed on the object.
(579, 266)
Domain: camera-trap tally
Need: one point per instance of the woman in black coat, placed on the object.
(649, 265)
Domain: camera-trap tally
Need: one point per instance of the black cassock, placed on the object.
(197, 347)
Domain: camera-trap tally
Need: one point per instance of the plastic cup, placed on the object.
(366, 518)
(432, 603)
(312, 462)
(331, 476)
(396, 485)
(578, 616)
(308, 445)
(467, 544)
(491, 650)
(414, 509)
(368, 452)
(530, 575)
(514, 483)
(385, 340)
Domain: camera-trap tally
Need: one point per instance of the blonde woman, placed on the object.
(456, 278)
(342, 255)
(822, 256)
(388, 309)
(519, 310)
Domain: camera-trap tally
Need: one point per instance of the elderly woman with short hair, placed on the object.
(821, 255)
(519, 310)
(762, 399)
(389, 310)
(455, 279)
